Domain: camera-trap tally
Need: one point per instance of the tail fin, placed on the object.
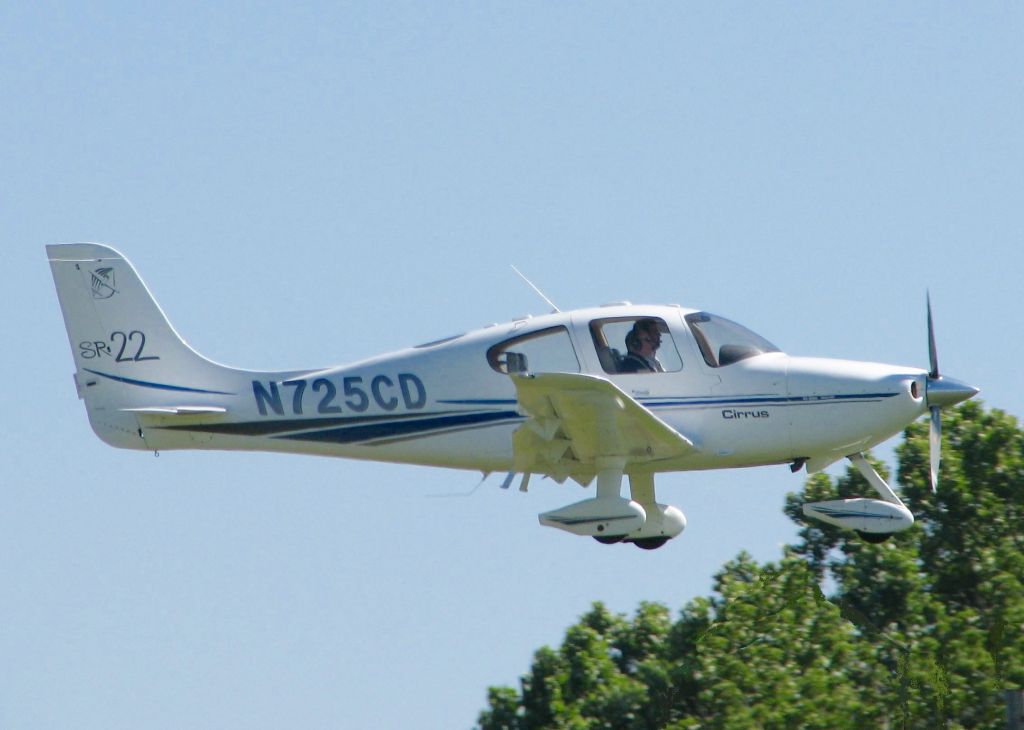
(129, 359)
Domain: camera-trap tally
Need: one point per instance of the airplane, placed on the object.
(558, 395)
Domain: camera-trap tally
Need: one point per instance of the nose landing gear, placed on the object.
(874, 520)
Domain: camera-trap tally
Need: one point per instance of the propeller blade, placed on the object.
(939, 392)
(933, 358)
(935, 445)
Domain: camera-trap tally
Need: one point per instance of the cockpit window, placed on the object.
(723, 342)
(635, 345)
(544, 351)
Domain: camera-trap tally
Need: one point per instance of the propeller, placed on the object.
(940, 392)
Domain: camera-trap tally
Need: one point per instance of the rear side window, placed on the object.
(544, 351)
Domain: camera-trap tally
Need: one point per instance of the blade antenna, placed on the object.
(539, 292)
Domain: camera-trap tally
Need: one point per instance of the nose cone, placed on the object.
(949, 392)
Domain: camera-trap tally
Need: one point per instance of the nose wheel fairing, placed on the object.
(870, 517)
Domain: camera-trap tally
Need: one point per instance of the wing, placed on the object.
(575, 419)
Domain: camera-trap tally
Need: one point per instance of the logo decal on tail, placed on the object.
(103, 282)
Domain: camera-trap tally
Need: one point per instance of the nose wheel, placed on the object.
(644, 543)
(875, 538)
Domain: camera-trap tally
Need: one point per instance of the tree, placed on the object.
(922, 631)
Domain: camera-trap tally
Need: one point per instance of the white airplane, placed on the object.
(558, 395)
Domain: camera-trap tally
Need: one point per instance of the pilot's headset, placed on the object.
(633, 339)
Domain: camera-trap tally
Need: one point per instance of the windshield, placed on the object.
(723, 342)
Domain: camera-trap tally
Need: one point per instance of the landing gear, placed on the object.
(644, 543)
(650, 543)
(875, 538)
(663, 521)
(610, 518)
(874, 520)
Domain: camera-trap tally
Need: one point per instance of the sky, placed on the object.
(305, 184)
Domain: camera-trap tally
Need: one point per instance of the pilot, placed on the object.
(642, 343)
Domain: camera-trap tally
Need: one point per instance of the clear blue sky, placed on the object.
(306, 185)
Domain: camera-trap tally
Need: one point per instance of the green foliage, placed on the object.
(922, 631)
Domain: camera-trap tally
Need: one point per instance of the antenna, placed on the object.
(470, 493)
(551, 303)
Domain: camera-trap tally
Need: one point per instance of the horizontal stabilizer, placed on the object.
(178, 410)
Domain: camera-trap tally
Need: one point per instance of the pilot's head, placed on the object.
(647, 337)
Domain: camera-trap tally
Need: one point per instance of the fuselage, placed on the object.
(596, 395)
(452, 403)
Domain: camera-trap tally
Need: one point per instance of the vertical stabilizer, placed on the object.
(128, 358)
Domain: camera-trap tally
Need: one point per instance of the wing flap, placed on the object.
(575, 419)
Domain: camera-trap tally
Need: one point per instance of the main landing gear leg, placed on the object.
(641, 489)
(609, 486)
(609, 516)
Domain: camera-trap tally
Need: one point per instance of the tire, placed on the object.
(875, 538)
(650, 543)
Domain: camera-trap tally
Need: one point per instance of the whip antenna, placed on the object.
(539, 292)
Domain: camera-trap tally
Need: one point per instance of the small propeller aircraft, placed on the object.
(589, 395)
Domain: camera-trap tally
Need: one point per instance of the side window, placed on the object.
(544, 351)
(635, 345)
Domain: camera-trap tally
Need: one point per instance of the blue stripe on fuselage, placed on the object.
(391, 429)
(766, 400)
(158, 386)
(720, 401)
